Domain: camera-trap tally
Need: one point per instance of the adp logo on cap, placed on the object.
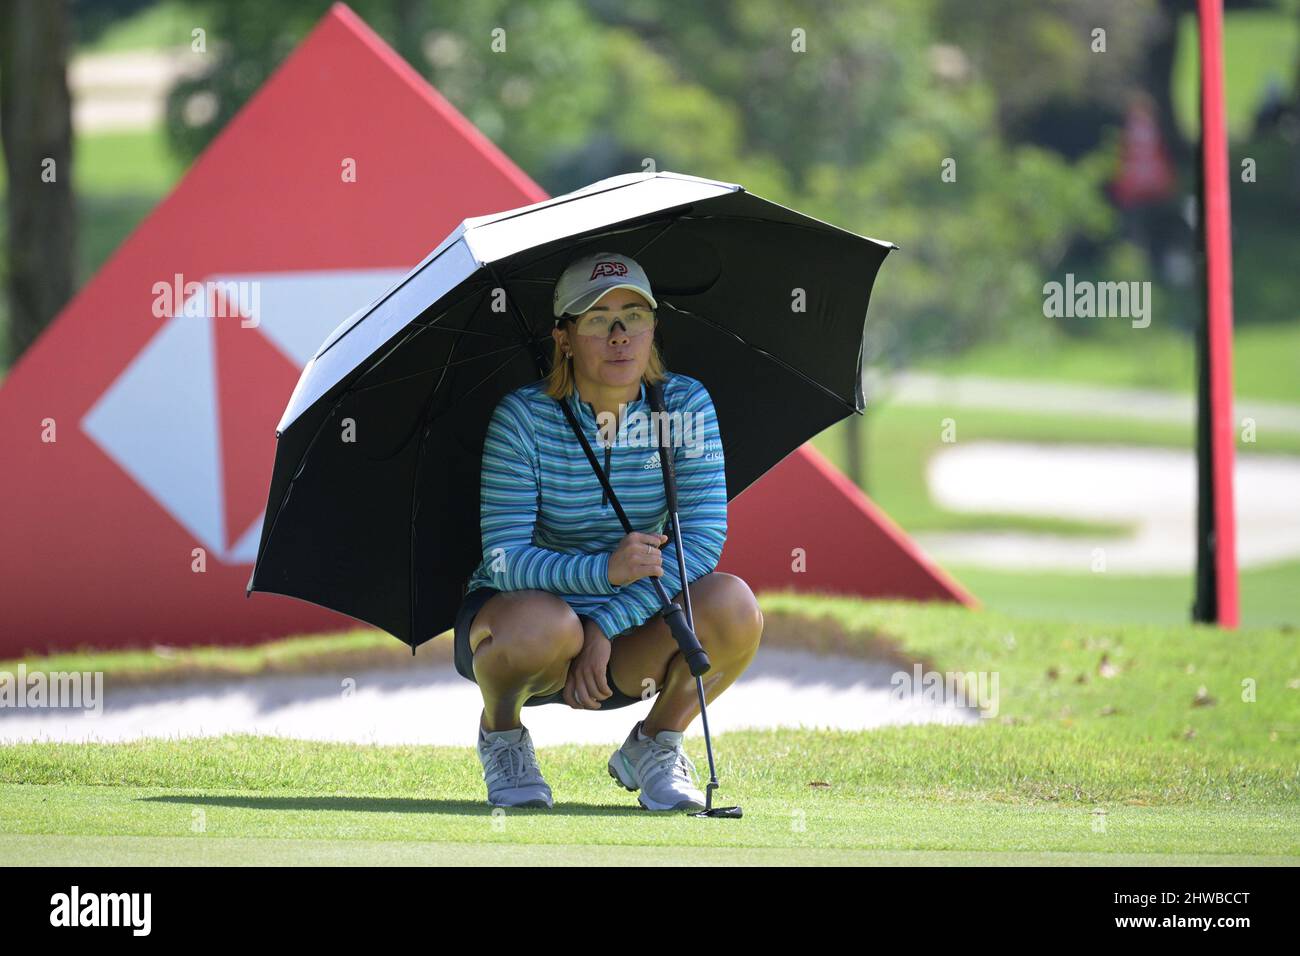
(608, 267)
(589, 277)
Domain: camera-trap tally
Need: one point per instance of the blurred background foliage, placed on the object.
(853, 130)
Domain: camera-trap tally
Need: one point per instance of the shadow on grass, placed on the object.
(398, 805)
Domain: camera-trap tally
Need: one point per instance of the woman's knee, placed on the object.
(735, 619)
(530, 630)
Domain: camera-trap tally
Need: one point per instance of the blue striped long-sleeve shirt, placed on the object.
(547, 524)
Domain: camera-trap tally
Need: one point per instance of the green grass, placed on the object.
(1269, 596)
(108, 221)
(227, 851)
(1266, 361)
(138, 162)
(1050, 678)
(785, 823)
(1258, 45)
(1073, 767)
(297, 654)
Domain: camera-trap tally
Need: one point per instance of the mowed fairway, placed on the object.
(406, 806)
(1084, 763)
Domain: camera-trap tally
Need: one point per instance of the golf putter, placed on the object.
(670, 492)
(680, 625)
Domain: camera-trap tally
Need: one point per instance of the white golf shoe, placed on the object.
(510, 769)
(659, 768)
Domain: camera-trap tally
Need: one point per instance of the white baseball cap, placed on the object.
(585, 280)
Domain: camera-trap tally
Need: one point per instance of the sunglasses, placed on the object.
(634, 322)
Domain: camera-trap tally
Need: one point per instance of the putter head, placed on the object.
(728, 813)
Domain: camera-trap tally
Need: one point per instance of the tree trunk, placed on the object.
(36, 125)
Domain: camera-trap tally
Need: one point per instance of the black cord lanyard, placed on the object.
(656, 404)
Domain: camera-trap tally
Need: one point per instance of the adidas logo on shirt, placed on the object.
(651, 462)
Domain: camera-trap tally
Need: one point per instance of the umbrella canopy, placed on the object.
(373, 507)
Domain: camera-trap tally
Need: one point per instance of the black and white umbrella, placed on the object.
(373, 507)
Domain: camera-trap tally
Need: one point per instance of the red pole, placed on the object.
(1218, 278)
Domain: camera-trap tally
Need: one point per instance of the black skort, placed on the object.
(469, 607)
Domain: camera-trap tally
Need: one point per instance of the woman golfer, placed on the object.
(562, 609)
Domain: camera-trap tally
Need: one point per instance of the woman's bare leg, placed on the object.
(522, 642)
(728, 623)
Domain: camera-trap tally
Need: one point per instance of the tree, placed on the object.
(36, 125)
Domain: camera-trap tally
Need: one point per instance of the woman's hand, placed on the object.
(586, 686)
(637, 556)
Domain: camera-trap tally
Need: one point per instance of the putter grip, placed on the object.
(696, 658)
